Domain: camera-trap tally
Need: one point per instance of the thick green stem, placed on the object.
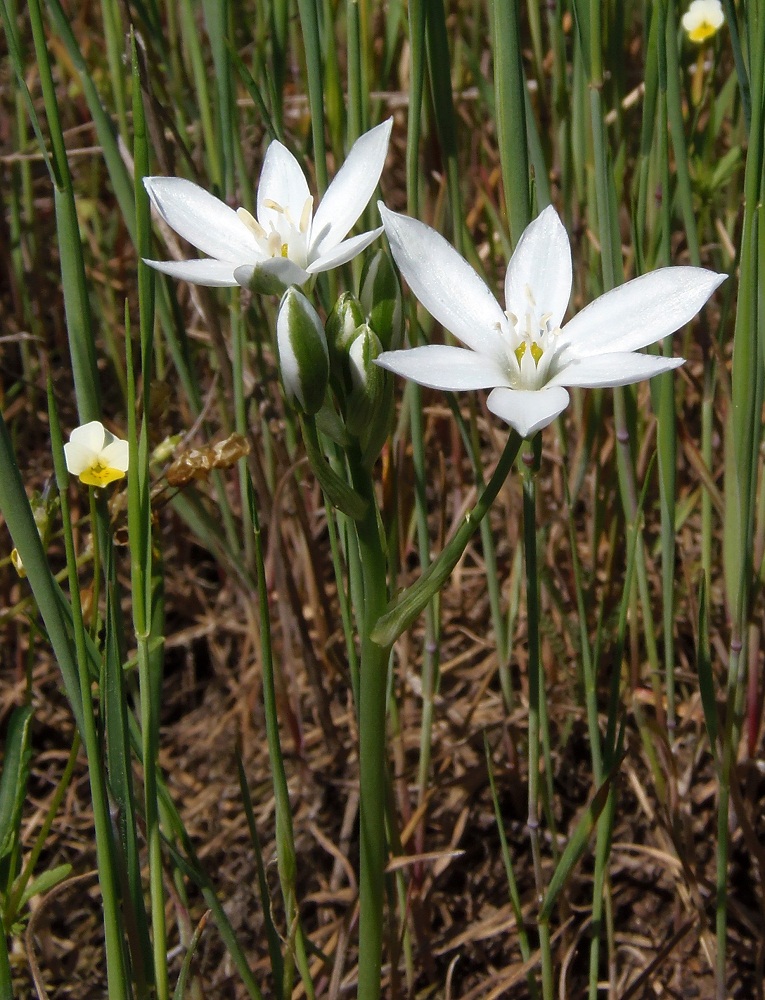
(372, 712)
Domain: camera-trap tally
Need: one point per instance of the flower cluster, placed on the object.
(524, 353)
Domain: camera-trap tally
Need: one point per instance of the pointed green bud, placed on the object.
(342, 323)
(381, 299)
(303, 356)
(370, 403)
(365, 374)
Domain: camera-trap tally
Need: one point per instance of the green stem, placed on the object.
(285, 841)
(116, 973)
(430, 653)
(372, 713)
(536, 689)
(150, 741)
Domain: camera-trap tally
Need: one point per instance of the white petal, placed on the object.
(213, 273)
(90, 436)
(620, 368)
(441, 367)
(84, 446)
(528, 410)
(352, 187)
(343, 252)
(202, 219)
(281, 271)
(78, 459)
(115, 455)
(641, 312)
(446, 284)
(282, 182)
(541, 266)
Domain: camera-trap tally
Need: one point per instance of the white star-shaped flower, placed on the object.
(286, 243)
(523, 354)
(96, 455)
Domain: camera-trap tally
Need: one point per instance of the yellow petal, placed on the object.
(702, 31)
(99, 475)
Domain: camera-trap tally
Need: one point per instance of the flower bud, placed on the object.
(303, 356)
(370, 401)
(342, 323)
(381, 300)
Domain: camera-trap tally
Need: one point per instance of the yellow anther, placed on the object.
(533, 346)
(285, 251)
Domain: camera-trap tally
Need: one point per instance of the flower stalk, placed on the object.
(105, 850)
(372, 714)
(536, 694)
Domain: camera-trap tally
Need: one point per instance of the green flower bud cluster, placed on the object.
(342, 357)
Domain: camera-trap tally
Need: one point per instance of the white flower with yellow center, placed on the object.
(703, 19)
(523, 354)
(286, 243)
(96, 455)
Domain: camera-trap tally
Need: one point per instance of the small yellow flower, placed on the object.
(703, 19)
(96, 455)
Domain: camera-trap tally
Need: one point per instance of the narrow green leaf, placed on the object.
(274, 941)
(19, 69)
(271, 126)
(512, 883)
(76, 301)
(216, 18)
(704, 667)
(336, 489)
(403, 611)
(309, 24)
(6, 979)
(575, 848)
(510, 89)
(439, 64)
(179, 992)
(15, 508)
(45, 882)
(17, 751)
(107, 136)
